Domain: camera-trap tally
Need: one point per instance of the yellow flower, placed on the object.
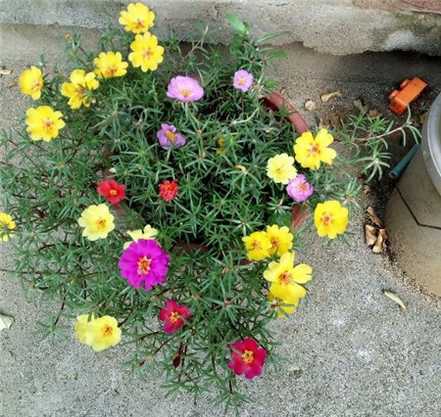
(97, 222)
(258, 246)
(310, 152)
(148, 233)
(138, 18)
(77, 89)
(7, 224)
(283, 307)
(83, 329)
(44, 123)
(280, 168)
(105, 333)
(331, 219)
(285, 278)
(146, 54)
(110, 65)
(101, 333)
(31, 82)
(281, 239)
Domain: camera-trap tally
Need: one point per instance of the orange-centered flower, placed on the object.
(331, 219)
(248, 356)
(175, 317)
(144, 265)
(311, 151)
(171, 136)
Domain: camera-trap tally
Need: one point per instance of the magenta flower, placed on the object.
(144, 264)
(299, 189)
(185, 89)
(168, 137)
(243, 80)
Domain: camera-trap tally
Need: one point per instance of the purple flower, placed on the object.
(299, 189)
(243, 80)
(144, 264)
(168, 137)
(185, 89)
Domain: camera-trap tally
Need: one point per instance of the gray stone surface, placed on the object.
(350, 351)
(333, 26)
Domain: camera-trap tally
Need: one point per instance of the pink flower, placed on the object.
(168, 137)
(243, 80)
(247, 358)
(144, 264)
(112, 191)
(185, 89)
(299, 189)
(174, 316)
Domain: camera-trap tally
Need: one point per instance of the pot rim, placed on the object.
(431, 144)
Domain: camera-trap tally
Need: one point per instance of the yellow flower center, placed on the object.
(242, 81)
(275, 242)
(101, 224)
(185, 92)
(314, 149)
(148, 53)
(285, 278)
(171, 136)
(248, 356)
(144, 265)
(139, 24)
(80, 90)
(113, 192)
(107, 331)
(255, 245)
(175, 317)
(37, 85)
(48, 124)
(111, 71)
(326, 219)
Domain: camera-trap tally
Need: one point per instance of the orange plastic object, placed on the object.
(408, 92)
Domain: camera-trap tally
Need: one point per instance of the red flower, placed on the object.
(247, 357)
(174, 316)
(111, 191)
(168, 190)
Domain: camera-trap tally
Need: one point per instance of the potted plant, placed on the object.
(151, 191)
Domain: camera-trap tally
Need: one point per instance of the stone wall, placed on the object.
(333, 26)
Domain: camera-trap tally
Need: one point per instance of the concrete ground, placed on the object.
(350, 350)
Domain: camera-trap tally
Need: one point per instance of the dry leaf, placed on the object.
(4, 71)
(374, 113)
(326, 97)
(5, 322)
(310, 105)
(366, 190)
(373, 217)
(323, 124)
(371, 234)
(394, 297)
(380, 243)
